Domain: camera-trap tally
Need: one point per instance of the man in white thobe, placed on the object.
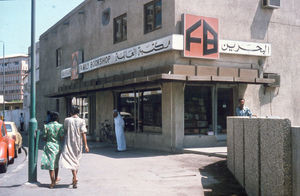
(75, 132)
(119, 130)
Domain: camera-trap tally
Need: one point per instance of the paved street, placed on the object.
(135, 172)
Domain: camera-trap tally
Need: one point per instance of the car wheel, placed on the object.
(19, 150)
(3, 167)
(12, 161)
(16, 153)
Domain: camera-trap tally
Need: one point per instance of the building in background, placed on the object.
(27, 78)
(175, 69)
(15, 68)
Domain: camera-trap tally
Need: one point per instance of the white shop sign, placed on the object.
(65, 73)
(149, 48)
(244, 48)
(171, 42)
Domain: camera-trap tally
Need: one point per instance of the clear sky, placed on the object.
(15, 21)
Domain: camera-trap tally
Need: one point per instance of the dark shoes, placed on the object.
(75, 184)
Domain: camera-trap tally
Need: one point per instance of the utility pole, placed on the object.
(32, 167)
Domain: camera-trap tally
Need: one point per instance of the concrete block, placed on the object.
(207, 71)
(199, 78)
(238, 124)
(230, 144)
(247, 80)
(187, 70)
(252, 167)
(225, 71)
(222, 78)
(249, 73)
(296, 160)
(276, 156)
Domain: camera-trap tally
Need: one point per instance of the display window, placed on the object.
(141, 110)
(198, 110)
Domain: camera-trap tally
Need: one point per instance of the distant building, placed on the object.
(15, 69)
(27, 78)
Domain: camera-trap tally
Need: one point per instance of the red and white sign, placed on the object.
(201, 37)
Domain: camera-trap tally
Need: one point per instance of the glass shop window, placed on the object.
(198, 110)
(120, 28)
(141, 110)
(152, 14)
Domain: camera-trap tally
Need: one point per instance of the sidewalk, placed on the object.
(134, 172)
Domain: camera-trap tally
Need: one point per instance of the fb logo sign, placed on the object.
(201, 37)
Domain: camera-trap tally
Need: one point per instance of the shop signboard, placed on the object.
(245, 48)
(76, 59)
(201, 37)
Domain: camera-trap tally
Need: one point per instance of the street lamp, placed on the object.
(3, 65)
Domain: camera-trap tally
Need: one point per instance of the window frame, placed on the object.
(154, 16)
(58, 58)
(123, 38)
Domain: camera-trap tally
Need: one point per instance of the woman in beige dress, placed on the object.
(75, 132)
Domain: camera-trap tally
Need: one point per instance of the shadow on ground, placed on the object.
(108, 150)
(218, 181)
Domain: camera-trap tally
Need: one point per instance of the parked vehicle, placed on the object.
(129, 121)
(12, 132)
(7, 148)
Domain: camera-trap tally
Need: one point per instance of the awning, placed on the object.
(183, 73)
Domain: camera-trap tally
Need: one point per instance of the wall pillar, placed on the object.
(173, 115)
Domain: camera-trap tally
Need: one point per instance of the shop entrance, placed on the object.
(206, 109)
(83, 102)
(224, 108)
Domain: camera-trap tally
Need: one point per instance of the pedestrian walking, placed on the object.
(21, 122)
(53, 135)
(119, 130)
(75, 132)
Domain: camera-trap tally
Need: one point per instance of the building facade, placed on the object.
(15, 69)
(174, 69)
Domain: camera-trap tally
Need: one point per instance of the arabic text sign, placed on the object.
(245, 48)
(164, 44)
(201, 37)
(65, 73)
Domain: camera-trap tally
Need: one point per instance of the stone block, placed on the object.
(230, 72)
(252, 167)
(188, 70)
(249, 73)
(296, 160)
(230, 144)
(238, 135)
(276, 157)
(207, 71)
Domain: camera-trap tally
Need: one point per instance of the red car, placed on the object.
(7, 148)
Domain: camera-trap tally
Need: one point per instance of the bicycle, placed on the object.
(107, 133)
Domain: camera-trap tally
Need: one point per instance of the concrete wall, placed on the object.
(104, 109)
(260, 154)
(14, 116)
(296, 160)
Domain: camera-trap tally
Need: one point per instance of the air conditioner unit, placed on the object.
(273, 76)
(274, 4)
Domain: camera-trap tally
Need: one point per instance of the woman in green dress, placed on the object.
(53, 134)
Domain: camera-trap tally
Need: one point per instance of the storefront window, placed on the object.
(198, 110)
(141, 110)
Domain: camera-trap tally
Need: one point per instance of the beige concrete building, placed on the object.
(175, 69)
(16, 67)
